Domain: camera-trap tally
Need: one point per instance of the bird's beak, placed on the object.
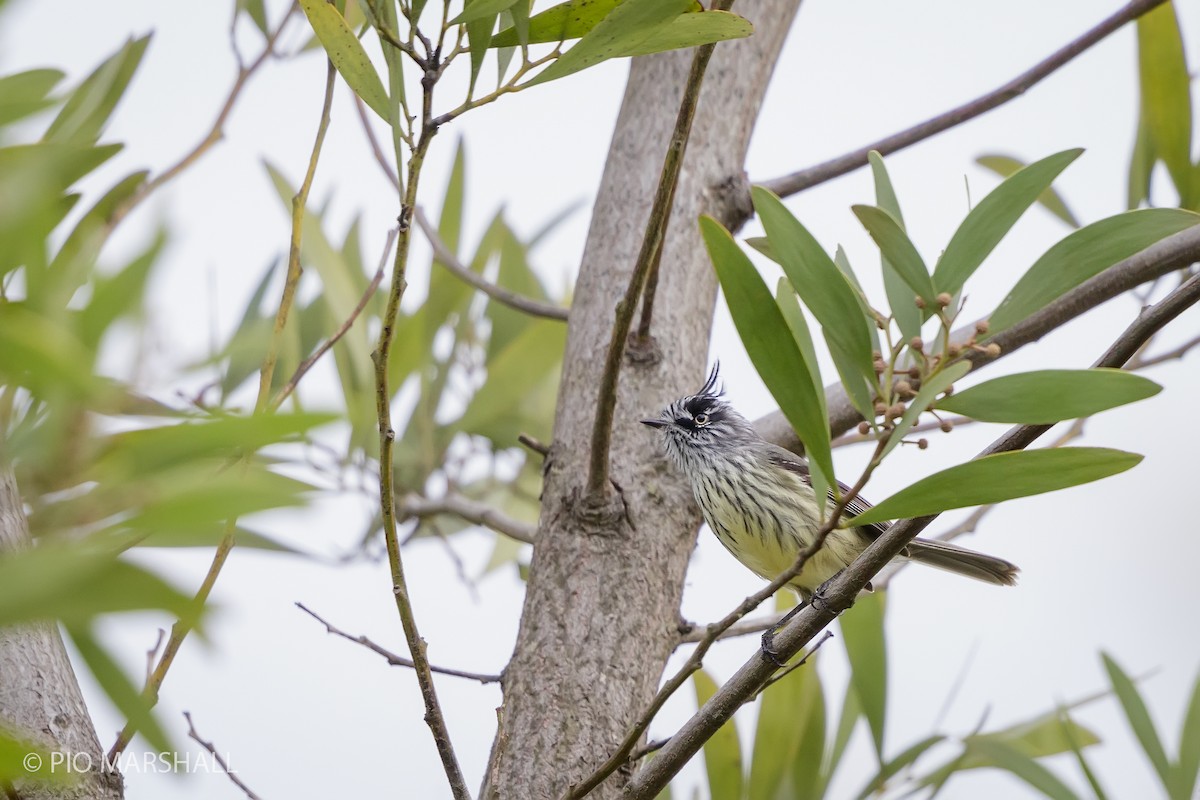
(655, 423)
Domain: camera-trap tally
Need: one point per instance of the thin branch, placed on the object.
(444, 256)
(840, 593)
(807, 178)
(391, 658)
(695, 633)
(182, 627)
(652, 242)
(376, 148)
(215, 133)
(211, 748)
(472, 511)
(346, 325)
(1175, 252)
(934, 425)
(790, 668)
(1140, 362)
(387, 439)
(533, 444)
(714, 631)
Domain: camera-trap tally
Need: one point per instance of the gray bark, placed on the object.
(40, 699)
(602, 604)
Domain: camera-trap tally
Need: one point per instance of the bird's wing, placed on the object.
(788, 460)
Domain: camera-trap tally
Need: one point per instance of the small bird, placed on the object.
(758, 499)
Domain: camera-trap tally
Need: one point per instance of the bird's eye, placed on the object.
(702, 419)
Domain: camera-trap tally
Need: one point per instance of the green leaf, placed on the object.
(866, 647)
(769, 343)
(783, 716)
(988, 222)
(1050, 199)
(900, 296)
(1068, 726)
(1051, 395)
(25, 93)
(45, 357)
(118, 295)
(1139, 718)
(1026, 769)
(559, 23)
(347, 55)
(15, 768)
(479, 37)
(1166, 94)
(516, 275)
(690, 30)
(821, 285)
(847, 721)
(930, 389)
(86, 112)
(1085, 253)
(898, 249)
(793, 315)
(1189, 749)
(256, 10)
(150, 450)
(621, 31)
(722, 752)
(1141, 165)
(898, 763)
(132, 704)
(1044, 735)
(999, 477)
(807, 776)
(479, 9)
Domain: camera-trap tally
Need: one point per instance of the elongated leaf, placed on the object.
(929, 390)
(1049, 199)
(816, 278)
(559, 23)
(25, 93)
(150, 450)
(807, 776)
(1044, 735)
(900, 295)
(347, 55)
(1066, 725)
(75, 584)
(1027, 770)
(690, 30)
(842, 262)
(784, 711)
(1085, 253)
(135, 706)
(722, 753)
(995, 215)
(1139, 718)
(793, 315)
(898, 249)
(1166, 94)
(898, 763)
(118, 295)
(866, 647)
(621, 31)
(1189, 749)
(847, 721)
(479, 36)
(1050, 395)
(480, 9)
(1000, 477)
(87, 110)
(769, 343)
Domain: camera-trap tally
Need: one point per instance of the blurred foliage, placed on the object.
(798, 746)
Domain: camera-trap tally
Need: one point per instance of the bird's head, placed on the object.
(700, 424)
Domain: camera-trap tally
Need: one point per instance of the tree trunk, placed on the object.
(602, 604)
(40, 698)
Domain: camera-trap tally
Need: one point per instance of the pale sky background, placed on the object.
(1108, 566)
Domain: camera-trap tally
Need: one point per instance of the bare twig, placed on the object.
(807, 178)
(840, 593)
(696, 633)
(415, 505)
(376, 149)
(652, 242)
(215, 133)
(444, 256)
(1144, 362)
(534, 445)
(800, 662)
(348, 323)
(861, 438)
(211, 748)
(391, 658)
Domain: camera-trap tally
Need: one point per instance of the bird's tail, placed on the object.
(962, 561)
